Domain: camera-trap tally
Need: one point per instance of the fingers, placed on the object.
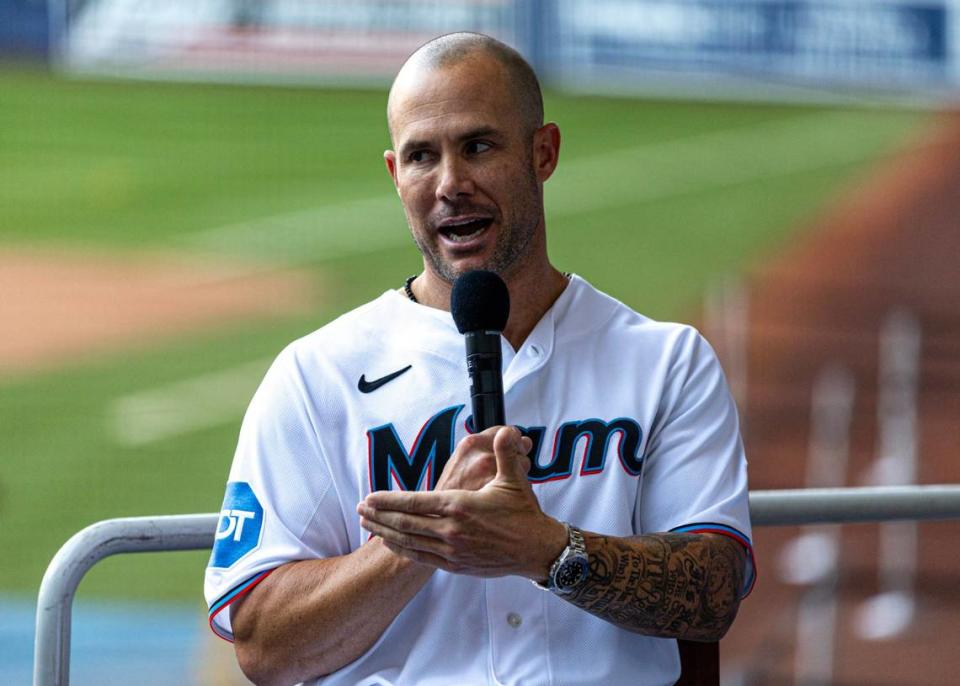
(485, 440)
(408, 541)
(417, 537)
(511, 448)
(507, 439)
(413, 502)
(479, 441)
(474, 463)
(419, 525)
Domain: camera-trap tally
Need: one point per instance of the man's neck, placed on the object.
(532, 293)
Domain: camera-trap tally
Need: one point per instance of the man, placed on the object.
(368, 538)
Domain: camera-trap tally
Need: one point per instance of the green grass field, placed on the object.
(652, 202)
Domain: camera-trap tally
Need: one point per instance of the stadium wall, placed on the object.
(757, 49)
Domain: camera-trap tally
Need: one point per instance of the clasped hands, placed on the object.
(483, 518)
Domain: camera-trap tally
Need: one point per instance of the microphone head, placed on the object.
(480, 301)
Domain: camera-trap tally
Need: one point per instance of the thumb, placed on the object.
(510, 448)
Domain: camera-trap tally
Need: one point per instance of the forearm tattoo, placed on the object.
(667, 585)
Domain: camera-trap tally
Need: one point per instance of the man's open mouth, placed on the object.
(463, 231)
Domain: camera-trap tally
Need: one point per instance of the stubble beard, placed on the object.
(513, 242)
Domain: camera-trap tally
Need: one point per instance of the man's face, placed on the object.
(463, 166)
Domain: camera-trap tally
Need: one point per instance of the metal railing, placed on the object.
(196, 532)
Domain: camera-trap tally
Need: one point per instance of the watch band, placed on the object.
(575, 553)
(577, 546)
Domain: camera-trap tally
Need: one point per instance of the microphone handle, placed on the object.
(485, 366)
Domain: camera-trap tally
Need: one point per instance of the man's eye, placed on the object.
(417, 156)
(474, 147)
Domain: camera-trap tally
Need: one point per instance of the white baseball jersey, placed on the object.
(634, 432)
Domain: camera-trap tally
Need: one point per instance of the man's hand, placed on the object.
(472, 465)
(496, 530)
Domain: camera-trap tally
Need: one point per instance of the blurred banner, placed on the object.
(757, 49)
(311, 41)
(767, 45)
(23, 28)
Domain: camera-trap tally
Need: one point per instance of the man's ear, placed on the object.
(546, 150)
(390, 159)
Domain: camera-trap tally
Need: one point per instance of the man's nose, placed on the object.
(455, 180)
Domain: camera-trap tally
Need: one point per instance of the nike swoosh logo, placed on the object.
(365, 386)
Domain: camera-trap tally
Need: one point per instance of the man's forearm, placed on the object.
(312, 617)
(667, 585)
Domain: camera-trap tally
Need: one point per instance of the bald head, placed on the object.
(455, 48)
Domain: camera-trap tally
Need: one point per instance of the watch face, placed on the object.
(571, 573)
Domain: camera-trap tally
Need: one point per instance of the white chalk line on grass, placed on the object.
(659, 170)
(318, 234)
(185, 406)
(630, 176)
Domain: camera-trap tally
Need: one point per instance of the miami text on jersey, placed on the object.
(389, 461)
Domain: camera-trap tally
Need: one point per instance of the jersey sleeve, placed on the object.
(695, 471)
(280, 503)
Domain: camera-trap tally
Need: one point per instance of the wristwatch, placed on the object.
(572, 567)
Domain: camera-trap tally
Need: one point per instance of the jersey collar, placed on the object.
(433, 330)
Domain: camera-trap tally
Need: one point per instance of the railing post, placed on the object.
(51, 663)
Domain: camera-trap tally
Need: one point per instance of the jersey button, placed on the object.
(514, 620)
(534, 351)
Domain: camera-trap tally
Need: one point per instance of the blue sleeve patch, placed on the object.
(239, 527)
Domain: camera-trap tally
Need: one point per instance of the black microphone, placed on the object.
(480, 304)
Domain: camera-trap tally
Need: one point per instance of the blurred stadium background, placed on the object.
(187, 186)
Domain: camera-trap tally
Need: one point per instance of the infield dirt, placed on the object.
(60, 306)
